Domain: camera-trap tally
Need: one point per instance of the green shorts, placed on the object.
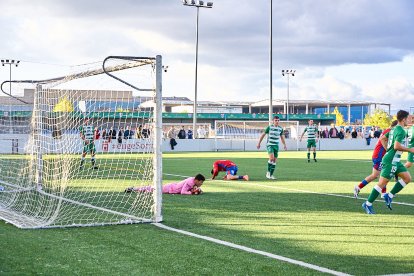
(273, 149)
(311, 144)
(390, 170)
(410, 157)
(89, 148)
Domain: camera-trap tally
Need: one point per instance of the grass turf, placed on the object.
(296, 216)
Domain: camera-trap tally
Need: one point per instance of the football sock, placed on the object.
(241, 177)
(269, 166)
(363, 184)
(272, 169)
(374, 194)
(308, 155)
(82, 161)
(314, 155)
(398, 187)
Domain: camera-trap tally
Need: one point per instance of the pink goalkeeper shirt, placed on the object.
(183, 187)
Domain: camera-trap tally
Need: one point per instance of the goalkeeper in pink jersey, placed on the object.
(189, 186)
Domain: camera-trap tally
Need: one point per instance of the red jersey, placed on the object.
(221, 166)
(379, 150)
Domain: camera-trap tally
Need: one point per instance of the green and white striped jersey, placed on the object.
(312, 132)
(410, 134)
(273, 135)
(88, 132)
(397, 134)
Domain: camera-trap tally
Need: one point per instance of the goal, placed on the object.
(244, 135)
(86, 141)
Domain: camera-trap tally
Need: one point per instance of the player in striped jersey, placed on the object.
(274, 134)
(410, 135)
(391, 165)
(87, 134)
(313, 136)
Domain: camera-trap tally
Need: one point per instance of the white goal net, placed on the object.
(87, 139)
(244, 135)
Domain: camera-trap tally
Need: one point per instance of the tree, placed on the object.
(378, 118)
(339, 117)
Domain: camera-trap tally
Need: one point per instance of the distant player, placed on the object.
(274, 134)
(391, 165)
(377, 155)
(230, 168)
(189, 186)
(312, 138)
(87, 134)
(410, 135)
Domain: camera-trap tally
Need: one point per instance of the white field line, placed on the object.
(251, 250)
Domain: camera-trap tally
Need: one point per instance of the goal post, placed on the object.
(85, 144)
(231, 135)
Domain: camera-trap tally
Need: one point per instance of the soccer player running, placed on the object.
(274, 134)
(391, 165)
(87, 132)
(230, 168)
(377, 155)
(312, 139)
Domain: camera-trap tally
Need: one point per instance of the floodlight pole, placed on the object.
(10, 62)
(271, 64)
(197, 4)
(288, 73)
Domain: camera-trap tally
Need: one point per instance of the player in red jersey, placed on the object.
(230, 168)
(379, 152)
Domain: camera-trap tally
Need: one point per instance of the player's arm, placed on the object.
(261, 139)
(302, 135)
(384, 140)
(400, 147)
(282, 138)
(215, 171)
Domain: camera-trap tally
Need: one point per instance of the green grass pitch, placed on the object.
(308, 215)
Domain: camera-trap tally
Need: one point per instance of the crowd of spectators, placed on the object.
(120, 134)
(351, 132)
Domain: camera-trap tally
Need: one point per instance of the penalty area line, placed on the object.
(251, 250)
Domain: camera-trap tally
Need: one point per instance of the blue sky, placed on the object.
(341, 50)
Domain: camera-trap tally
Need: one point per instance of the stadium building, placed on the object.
(179, 110)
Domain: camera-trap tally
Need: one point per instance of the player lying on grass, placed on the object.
(189, 186)
(377, 155)
(391, 165)
(230, 168)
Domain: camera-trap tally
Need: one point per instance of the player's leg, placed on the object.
(314, 151)
(93, 151)
(231, 174)
(84, 151)
(404, 178)
(387, 172)
(273, 162)
(376, 169)
(270, 160)
(308, 154)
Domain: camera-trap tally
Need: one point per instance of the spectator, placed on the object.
(354, 133)
(333, 132)
(96, 134)
(201, 133)
(120, 135)
(172, 135)
(113, 135)
(190, 133)
(181, 133)
(145, 132)
(377, 132)
(127, 133)
(324, 133)
(139, 132)
(367, 135)
(341, 134)
(372, 132)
